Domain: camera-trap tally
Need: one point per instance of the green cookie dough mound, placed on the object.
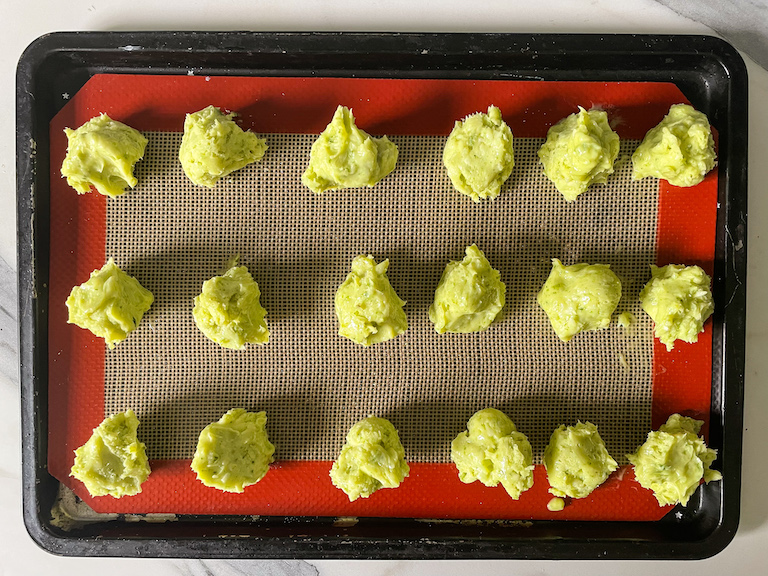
(102, 153)
(478, 154)
(673, 461)
(680, 149)
(346, 157)
(679, 301)
(579, 297)
(113, 462)
(469, 296)
(214, 146)
(367, 306)
(626, 319)
(110, 304)
(577, 461)
(579, 151)
(228, 310)
(234, 452)
(372, 458)
(493, 451)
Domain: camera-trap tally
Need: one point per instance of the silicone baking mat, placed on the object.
(313, 384)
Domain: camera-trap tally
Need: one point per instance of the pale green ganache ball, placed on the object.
(492, 451)
(556, 504)
(228, 310)
(479, 155)
(579, 151)
(579, 297)
(102, 153)
(577, 461)
(680, 149)
(679, 301)
(469, 296)
(673, 461)
(234, 452)
(372, 458)
(368, 308)
(113, 462)
(346, 157)
(110, 304)
(213, 146)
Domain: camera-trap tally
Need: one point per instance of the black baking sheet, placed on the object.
(708, 71)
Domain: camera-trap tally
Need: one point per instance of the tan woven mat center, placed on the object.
(298, 246)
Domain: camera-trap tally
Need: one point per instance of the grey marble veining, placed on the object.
(741, 22)
(8, 329)
(744, 23)
(245, 568)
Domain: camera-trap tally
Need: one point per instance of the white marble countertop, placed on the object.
(743, 22)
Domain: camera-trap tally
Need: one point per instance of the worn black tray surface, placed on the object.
(708, 71)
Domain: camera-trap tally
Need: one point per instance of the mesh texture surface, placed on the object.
(314, 384)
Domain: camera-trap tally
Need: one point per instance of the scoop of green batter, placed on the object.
(346, 157)
(479, 155)
(113, 462)
(492, 451)
(680, 149)
(228, 310)
(368, 308)
(469, 296)
(372, 458)
(102, 153)
(579, 151)
(673, 461)
(679, 301)
(577, 461)
(234, 452)
(213, 146)
(579, 297)
(110, 304)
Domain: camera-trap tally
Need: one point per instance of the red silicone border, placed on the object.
(686, 235)
(78, 234)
